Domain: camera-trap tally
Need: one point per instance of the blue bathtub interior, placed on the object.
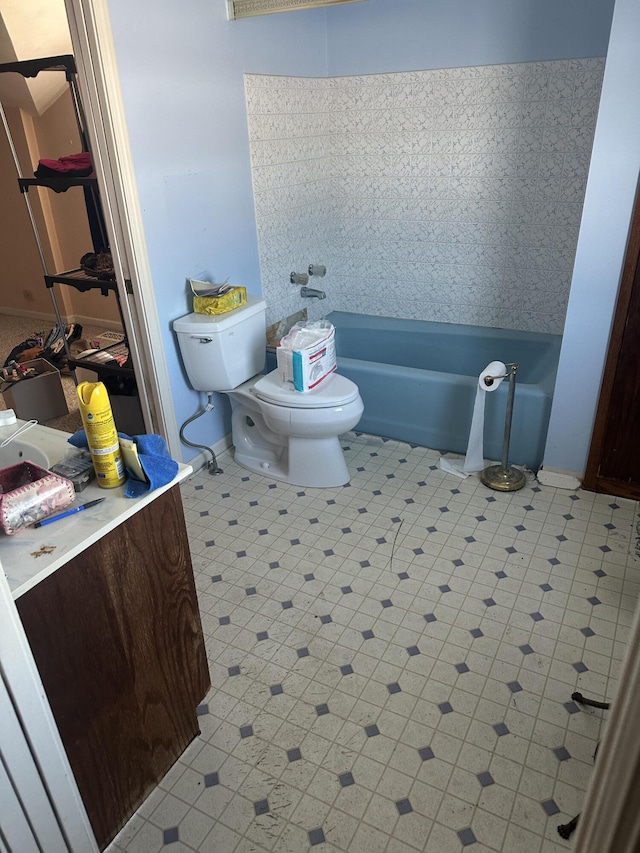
(418, 381)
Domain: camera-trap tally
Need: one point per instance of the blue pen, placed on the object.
(68, 512)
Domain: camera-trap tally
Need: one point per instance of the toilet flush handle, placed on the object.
(202, 339)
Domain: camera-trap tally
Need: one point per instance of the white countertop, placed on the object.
(33, 554)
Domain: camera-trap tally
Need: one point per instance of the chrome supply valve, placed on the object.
(317, 269)
(299, 278)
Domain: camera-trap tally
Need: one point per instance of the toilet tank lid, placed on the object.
(197, 324)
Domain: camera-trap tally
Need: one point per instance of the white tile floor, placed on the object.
(392, 662)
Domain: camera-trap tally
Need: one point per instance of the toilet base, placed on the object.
(312, 463)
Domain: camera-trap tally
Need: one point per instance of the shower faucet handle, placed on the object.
(299, 278)
(317, 269)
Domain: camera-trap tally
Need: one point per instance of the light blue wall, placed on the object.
(615, 166)
(405, 35)
(181, 67)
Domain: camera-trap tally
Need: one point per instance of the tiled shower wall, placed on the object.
(452, 195)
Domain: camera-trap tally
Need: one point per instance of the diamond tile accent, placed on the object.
(594, 600)
(346, 779)
(387, 602)
(224, 620)
(246, 731)
(545, 587)
(550, 807)
(430, 617)
(588, 632)
(211, 780)
(368, 634)
(262, 635)
(372, 730)
(580, 667)
(466, 837)
(562, 753)
(303, 652)
(393, 688)
(345, 590)
(404, 806)
(326, 619)
(537, 617)
(514, 686)
(347, 669)
(171, 835)
(445, 708)
(261, 807)
(475, 633)
(526, 650)
(500, 729)
(426, 753)
(234, 670)
(485, 778)
(489, 602)
(294, 754)
(201, 710)
(462, 668)
(286, 605)
(412, 651)
(321, 710)
(500, 575)
(316, 836)
(276, 689)
(444, 588)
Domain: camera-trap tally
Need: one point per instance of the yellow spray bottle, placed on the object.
(102, 436)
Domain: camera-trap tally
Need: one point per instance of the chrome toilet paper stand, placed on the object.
(504, 477)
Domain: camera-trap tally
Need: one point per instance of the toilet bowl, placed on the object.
(278, 432)
(292, 436)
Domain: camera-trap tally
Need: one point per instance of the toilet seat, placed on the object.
(333, 391)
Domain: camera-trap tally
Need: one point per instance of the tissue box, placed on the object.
(306, 368)
(220, 304)
(30, 493)
(41, 397)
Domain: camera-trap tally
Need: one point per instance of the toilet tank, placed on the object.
(221, 352)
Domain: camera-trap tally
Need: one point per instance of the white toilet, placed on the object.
(276, 431)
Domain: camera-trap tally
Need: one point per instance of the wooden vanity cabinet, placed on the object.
(117, 639)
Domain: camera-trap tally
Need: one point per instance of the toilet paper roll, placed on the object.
(488, 380)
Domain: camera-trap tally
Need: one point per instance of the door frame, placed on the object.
(592, 480)
(99, 84)
(36, 763)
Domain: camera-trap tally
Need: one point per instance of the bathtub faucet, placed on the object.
(311, 291)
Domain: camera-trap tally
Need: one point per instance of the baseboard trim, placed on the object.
(557, 478)
(112, 325)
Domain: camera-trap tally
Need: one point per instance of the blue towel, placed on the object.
(158, 466)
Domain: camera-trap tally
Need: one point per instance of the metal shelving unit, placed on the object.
(119, 369)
